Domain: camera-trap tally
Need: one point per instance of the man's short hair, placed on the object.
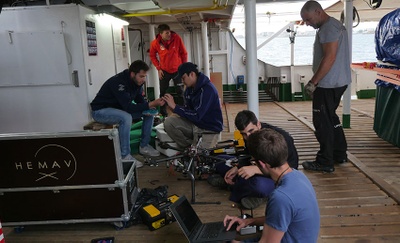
(268, 146)
(310, 6)
(163, 27)
(187, 68)
(137, 66)
(244, 118)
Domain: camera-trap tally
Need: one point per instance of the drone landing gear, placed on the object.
(191, 173)
(190, 163)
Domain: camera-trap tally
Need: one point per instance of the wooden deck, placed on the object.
(359, 202)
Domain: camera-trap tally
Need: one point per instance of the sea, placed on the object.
(277, 51)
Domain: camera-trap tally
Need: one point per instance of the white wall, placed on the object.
(55, 108)
(112, 57)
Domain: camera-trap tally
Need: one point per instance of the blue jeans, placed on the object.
(124, 121)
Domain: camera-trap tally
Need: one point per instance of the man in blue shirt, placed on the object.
(201, 113)
(120, 101)
(292, 213)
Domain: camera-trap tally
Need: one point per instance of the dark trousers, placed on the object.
(256, 186)
(328, 129)
(164, 85)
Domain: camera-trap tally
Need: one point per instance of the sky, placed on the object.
(280, 15)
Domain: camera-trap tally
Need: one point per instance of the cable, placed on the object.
(358, 17)
(65, 43)
(355, 14)
(373, 4)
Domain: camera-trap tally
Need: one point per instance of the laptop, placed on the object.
(194, 229)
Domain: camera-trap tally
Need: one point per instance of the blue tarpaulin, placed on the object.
(387, 105)
(387, 38)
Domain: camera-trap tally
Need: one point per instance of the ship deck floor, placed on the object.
(359, 202)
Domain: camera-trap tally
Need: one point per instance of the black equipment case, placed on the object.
(71, 177)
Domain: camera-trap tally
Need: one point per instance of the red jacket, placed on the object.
(171, 53)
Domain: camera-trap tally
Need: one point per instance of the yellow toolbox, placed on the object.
(157, 216)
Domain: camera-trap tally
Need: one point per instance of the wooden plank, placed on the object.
(355, 202)
(230, 117)
(393, 192)
(360, 221)
(359, 231)
(358, 211)
(367, 239)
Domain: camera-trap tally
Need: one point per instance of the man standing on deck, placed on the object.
(332, 75)
(171, 52)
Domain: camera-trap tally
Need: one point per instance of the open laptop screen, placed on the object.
(188, 216)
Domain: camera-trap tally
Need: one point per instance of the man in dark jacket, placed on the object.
(201, 113)
(247, 183)
(120, 101)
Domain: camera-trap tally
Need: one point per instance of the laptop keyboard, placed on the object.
(211, 230)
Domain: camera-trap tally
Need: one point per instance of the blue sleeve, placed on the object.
(205, 101)
(140, 103)
(279, 212)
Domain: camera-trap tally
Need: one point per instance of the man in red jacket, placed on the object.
(171, 53)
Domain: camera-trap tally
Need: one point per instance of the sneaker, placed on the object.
(138, 164)
(217, 181)
(253, 202)
(149, 151)
(315, 166)
(130, 158)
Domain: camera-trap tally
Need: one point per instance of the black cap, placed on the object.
(186, 67)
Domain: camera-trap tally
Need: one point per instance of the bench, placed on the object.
(97, 126)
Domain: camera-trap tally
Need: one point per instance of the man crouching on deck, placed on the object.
(292, 213)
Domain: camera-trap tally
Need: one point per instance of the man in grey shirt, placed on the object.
(332, 75)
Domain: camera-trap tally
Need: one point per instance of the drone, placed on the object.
(194, 161)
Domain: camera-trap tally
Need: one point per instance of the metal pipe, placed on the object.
(251, 56)
(172, 12)
(348, 7)
(114, 55)
(153, 70)
(206, 57)
(292, 83)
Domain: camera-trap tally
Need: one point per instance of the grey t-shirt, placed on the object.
(340, 74)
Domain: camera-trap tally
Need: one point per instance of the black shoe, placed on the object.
(217, 181)
(312, 165)
(341, 161)
(252, 202)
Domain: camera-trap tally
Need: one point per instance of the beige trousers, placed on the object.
(184, 133)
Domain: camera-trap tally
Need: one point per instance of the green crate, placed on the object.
(134, 143)
(136, 125)
(366, 94)
(135, 140)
